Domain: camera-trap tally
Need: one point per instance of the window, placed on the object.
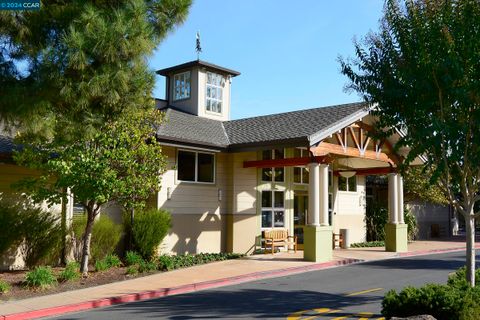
(347, 184)
(273, 174)
(195, 166)
(300, 174)
(181, 86)
(215, 84)
(273, 209)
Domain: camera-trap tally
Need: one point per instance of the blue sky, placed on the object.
(286, 50)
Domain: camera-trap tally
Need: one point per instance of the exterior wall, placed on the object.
(196, 103)
(243, 223)
(197, 212)
(202, 94)
(429, 214)
(349, 211)
(190, 104)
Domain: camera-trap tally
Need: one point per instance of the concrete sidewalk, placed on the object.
(201, 277)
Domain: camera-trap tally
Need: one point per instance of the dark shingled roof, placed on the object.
(195, 63)
(288, 126)
(187, 128)
(297, 127)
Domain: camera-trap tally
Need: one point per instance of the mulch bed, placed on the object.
(19, 291)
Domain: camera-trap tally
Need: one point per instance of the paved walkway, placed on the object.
(200, 277)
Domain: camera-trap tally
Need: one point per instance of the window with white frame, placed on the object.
(193, 166)
(215, 84)
(273, 209)
(347, 184)
(300, 174)
(181, 86)
(273, 174)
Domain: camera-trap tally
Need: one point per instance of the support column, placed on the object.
(318, 238)
(313, 194)
(400, 209)
(324, 195)
(392, 198)
(395, 229)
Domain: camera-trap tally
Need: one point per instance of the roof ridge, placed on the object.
(301, 110)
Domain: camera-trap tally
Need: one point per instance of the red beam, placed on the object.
(289, 162)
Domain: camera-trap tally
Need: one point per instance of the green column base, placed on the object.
(317, 243)
(396, 237)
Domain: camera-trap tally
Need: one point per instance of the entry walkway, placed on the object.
(201, 277)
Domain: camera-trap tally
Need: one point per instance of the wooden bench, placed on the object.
(337, 240)
(279, 238)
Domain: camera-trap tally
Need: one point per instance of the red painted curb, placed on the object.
(172, 291)
(144, 295)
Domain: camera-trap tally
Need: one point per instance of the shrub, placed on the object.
(71, 272)
(4, 287)
(101, 265)
(149, 229)
(40, 277)
(166, 262)
(10, 221)
(113, 261)
(39, 232)
(132, 270)
(455, 300)
(411, 222)
(376, 217)
(368, 244)
(147, 266)
(105, 236)
(133, 258)
(42, 235)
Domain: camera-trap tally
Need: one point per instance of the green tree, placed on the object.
(417, 186)
(422, 69)
(74, 65)
(122, 161)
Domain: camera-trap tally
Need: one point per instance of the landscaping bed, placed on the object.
(137, 267)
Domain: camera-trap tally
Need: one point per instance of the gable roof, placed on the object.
(304, 126)
(197, 63)
(296, 128)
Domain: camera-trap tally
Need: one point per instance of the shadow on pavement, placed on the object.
(421, 262)
(247, 303)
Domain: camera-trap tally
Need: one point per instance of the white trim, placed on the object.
(215, 87)
(322, 134)
(196, 168)
(272, 209)
(183, 74)
(187, 147)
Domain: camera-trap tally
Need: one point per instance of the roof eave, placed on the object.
(318, 136)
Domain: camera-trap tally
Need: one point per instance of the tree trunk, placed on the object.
(86, 243)
(470, 228)
(64, 230)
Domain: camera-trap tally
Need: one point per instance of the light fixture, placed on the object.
(347, 174)
(219, 194)
(169, 193)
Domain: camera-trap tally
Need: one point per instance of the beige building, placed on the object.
(229, 180)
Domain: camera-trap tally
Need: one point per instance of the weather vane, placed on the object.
(198, 48)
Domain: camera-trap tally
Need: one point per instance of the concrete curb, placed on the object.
(144, 295)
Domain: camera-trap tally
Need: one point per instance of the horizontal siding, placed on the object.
(193, 198)
(244, 184)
